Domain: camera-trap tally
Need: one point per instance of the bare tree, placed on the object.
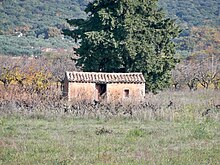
(189, 71)
(209, 71)
(59, 66)
(177, 77)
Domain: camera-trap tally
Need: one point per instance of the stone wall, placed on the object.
(115, 92)
(81, 91)
(125, 92)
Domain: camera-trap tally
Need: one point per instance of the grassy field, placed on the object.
(185, 138)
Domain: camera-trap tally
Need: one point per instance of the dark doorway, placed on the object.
(101, 88)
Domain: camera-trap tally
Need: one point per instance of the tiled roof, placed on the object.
(100, 77)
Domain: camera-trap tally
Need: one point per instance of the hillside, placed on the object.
(38, 15)
(27, 27)
(39, 23)
(193, 12)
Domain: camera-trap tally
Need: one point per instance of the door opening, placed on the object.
(101, 91)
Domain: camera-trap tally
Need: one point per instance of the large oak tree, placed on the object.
(127, 36)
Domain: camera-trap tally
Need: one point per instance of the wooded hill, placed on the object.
(27, 27)
(36, 16)
(39, 23)
(193, 12)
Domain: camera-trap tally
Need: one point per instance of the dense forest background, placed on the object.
(35, 27)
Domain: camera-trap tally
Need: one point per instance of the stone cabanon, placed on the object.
(111, 87)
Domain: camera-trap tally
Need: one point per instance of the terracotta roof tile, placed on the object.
(100, 77)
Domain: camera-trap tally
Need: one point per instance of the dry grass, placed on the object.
(157, 132)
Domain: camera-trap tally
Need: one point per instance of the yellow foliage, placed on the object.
(35, 79)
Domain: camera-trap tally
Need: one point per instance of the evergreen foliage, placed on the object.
(128, 36)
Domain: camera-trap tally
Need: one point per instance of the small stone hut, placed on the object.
(99, 86)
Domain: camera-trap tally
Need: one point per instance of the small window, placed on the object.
(126, 92)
